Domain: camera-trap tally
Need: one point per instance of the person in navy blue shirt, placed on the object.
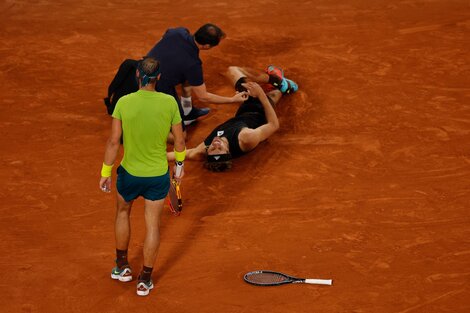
(178, 54)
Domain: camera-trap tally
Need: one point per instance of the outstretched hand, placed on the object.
(254, 89)
(240, 96)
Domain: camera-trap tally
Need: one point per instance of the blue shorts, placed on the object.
(151, 188)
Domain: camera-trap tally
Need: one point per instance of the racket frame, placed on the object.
(289, 279)
(175, 210)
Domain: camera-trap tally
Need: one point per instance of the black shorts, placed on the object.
(251, 104)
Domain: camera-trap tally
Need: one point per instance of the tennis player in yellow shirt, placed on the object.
(144, 119)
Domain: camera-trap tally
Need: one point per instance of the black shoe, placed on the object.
(195, 113)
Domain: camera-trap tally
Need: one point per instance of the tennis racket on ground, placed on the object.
(270, 278)
(175, 200)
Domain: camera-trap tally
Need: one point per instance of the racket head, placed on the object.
(175, 200)
(269, 278)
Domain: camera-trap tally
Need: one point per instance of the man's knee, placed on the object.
(233, 69)
(234, 72)
(122, 206)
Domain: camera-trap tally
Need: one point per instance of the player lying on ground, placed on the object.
(253, 123)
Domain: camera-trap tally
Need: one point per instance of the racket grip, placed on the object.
(319, 281)
(179, 169)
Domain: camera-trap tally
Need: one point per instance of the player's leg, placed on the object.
(122, 223)
(122, 271)
(190, 113)
(254, 75)
(186, 90)
(186, 100)
(235, 73)
(277, 79)
(153, 211)
(154, 195)
(272, 78)
(274, 96)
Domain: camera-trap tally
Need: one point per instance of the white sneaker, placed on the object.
(143, 288)
(123, 275)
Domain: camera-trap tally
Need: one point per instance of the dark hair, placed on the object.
(218, 162)
(218, 166)
(209, 34)
(149, 68)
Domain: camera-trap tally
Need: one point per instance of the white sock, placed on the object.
(187, 104)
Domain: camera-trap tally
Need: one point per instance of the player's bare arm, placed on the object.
(112, 148)
(179, 145)
(250, 138)
(203, 95)
(198, 153)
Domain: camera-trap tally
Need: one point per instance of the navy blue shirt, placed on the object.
(179, 60)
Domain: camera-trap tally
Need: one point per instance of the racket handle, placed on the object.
(179, 169)
(319, 281)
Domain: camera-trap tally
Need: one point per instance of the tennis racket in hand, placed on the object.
(175, 200)
(270, 278)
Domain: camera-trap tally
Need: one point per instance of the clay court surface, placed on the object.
(367, 182)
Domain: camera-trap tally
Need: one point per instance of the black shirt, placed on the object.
(231, 129)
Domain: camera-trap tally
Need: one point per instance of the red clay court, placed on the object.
(367, 182)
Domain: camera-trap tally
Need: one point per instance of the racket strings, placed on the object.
(267, 278)
(174, 197)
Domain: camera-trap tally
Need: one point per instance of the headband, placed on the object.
(218, 157)
(147, 77)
